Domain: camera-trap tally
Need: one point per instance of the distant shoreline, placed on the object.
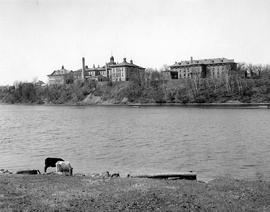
(188, 105)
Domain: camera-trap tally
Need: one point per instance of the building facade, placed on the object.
(125, 71)
(60, 77)
(95, 73)
(110, 71)
(207, 68)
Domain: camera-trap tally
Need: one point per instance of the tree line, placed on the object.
(250, 85)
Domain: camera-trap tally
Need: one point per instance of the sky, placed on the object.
(39, 36)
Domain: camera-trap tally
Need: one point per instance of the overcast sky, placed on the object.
(38, 36)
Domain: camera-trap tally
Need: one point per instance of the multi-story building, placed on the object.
(110, 71)
(95, 73)
(60, 77)
(125, 71)
(207, 68)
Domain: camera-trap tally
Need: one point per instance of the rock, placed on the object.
(79, 175)
(92, 99)
(95, 175)
(5, 171)
(124, 100)
(105, 174)
(233, 102)
(115, 175)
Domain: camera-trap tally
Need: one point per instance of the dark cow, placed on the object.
(50, 162)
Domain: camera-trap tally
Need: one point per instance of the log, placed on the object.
(178, 175)
(31, 172)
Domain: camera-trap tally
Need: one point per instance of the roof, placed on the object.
(203, 62)
(60, 72)
(126, 64)
(109, 64)
(90, 69)
(39, 82)
(96, 69)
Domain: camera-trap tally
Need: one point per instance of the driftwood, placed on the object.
(170, 176)
(31, 172)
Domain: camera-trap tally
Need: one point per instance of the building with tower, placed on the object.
(111, 71)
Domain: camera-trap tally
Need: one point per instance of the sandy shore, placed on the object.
(80, 193)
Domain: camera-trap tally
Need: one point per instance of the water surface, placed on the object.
(211, 142)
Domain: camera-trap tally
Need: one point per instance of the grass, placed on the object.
(63, 193)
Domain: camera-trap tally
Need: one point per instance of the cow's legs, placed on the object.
(57, 167)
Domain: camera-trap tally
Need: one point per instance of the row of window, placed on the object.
(117, 69)
(220, 67)
(118, 74)
(188, 74)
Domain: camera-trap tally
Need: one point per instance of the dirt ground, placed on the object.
(78, 193)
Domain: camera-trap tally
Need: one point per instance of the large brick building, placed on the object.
(110, 71)
(125, 71)
(206, 68)
(98, 73)
(60, 77)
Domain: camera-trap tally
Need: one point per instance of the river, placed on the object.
(210, 141)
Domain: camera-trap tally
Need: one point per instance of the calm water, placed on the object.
(212, 142)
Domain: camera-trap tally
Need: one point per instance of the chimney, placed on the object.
(191, 59)
(131, 61)
(83, 68)
(62, 67)
(124, 60)
(94, 66)
(111, 59)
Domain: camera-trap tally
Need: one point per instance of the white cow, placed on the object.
(63, 167)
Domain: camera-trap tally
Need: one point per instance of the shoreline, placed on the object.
(262, 105)
(82, 193)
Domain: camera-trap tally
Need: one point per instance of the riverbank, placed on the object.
(151, 91)
(81, 193)
(219, 105)
(240, 105)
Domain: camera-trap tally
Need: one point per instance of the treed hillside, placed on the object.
(151, 88)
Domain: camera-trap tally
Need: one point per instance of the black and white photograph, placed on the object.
(134, 105)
